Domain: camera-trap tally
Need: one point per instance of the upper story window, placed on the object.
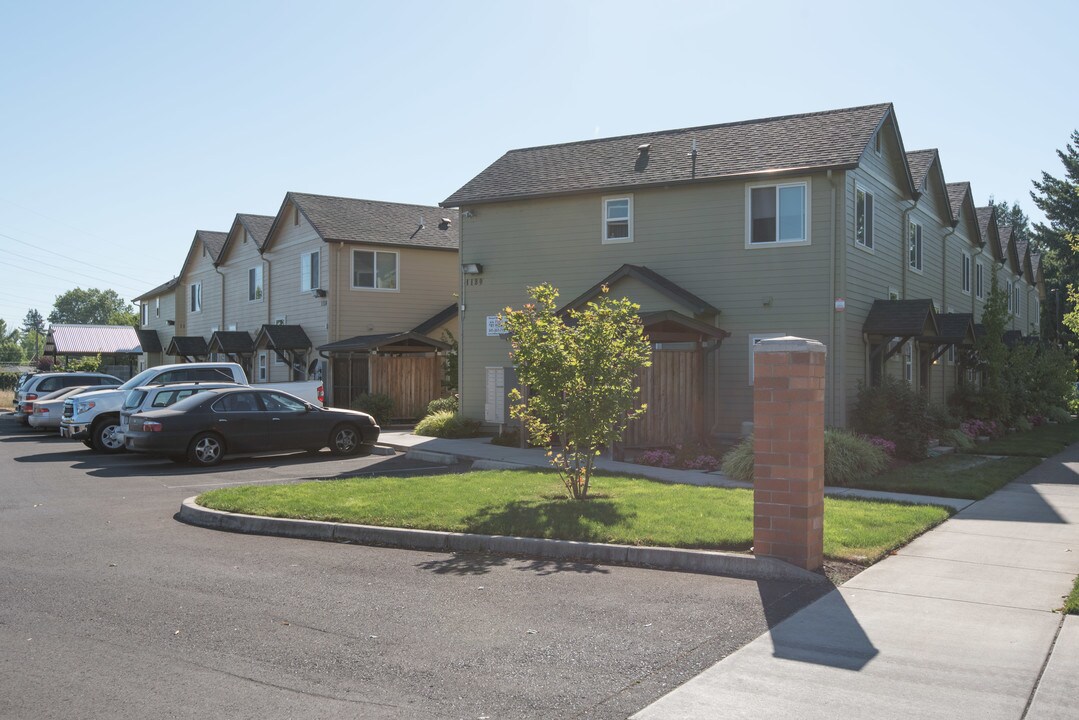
(1011, 296)
(863, 217)
(979, 280)
(254, 283)
(914, 243)
(309, 271)
(777, 213)
(966, 273)
(617, 219)
(145, 314)
(195, 297)
(374, 270)
(1015, 303)
(295, 214)
(157, 307)
(877, 144)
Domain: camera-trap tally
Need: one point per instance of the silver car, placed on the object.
(45, 412)
(42, 384)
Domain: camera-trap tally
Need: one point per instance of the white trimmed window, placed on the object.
(309, 271)
(966, 273)
(618, 219)
(195, 297)
(262, 370)
(777, 213)
(1036, 318)
(877, 143)
(254, 283)
(157, 307)
(753, 341)
(908, 361)
(914, 245)
(279, 320)
(1016, 307)
(145, 314)
(374, 270)
(1011, 296)
(979, 280)
(863, 217)
(893, 294)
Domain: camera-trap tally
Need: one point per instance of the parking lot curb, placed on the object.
(706, 562)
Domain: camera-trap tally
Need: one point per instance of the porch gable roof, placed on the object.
(650, 278)
(901, 318)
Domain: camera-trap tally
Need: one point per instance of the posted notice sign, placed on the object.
(495, 326)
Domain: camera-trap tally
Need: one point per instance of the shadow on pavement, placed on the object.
(481, 564)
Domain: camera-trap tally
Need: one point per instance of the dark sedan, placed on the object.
(203, 428)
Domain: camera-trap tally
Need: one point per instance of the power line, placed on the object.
(54, 252)
(37, 271)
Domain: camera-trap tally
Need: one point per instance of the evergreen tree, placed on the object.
(10, 350)
(33, 327)
(1058, 238)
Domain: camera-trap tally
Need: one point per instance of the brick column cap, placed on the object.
(790, 344)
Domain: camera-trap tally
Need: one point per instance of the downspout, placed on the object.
(944, 298)
(221, 324)
(834, 353)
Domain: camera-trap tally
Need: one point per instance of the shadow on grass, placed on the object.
(561, 518)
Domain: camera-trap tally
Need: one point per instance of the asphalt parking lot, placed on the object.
(111, 608)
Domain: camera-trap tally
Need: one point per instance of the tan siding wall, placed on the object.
(245, 314)
(283, 286)
(695, 236)
(202, 270)
(159, 321)
(427, 281)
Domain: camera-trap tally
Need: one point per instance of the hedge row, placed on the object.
(8, 380)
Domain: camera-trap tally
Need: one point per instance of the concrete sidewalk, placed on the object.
(487, 455)
(958, 624)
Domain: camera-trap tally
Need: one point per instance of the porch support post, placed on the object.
(788, 447)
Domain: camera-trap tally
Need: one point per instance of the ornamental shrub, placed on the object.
(897, 412)
(656, 458)
(380, 407)
(442, 404)
(447, 424)
(8, 380)
(848, 458)
(1059, 414)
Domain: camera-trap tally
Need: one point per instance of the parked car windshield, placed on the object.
(134, 399)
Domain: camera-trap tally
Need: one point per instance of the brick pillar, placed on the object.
(788, 447)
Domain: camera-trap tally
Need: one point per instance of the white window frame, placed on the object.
(279, 320)
(807, 219)
(966, 274)
(755, 338)
(262, 371)
(256, 290)
(194, 298)
(878, 144)
(893, 294)
(1008, 290)
(145, 314)
(1018, 310)
(375, 253)
(979, 281)
(914, 242)
(308, 262)
(605, 220)
(866, 241)
(157, 307)
(908, 362)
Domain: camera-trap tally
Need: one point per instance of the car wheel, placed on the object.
(88, 444)
(104, 436)
(206, 449)
(345, 440)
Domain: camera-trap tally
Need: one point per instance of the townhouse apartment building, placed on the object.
(358, 293)
(819, 225)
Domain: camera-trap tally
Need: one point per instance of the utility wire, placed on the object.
(54, 252)
(38, 271)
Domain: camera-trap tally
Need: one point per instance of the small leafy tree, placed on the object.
(993, 353)
(449, 369)
(581, 373)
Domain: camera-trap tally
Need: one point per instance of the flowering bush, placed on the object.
(878, 442)
(975, 428)
(656, 458)
(1037, 420)
(707, 463)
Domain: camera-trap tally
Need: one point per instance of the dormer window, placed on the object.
(877, 142)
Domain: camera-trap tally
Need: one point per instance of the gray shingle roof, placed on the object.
(188, 346)
(652, 279)
(376, 223)
(214, 242)
(956, 328)
(920, 161)
(901, 318)
(813, 141)
(283, 337)
(236, 342)
(159, 290)
(257, 225)
(987, 224)
(957, 192)
(408, 341)
(436, 320)
(149, 340)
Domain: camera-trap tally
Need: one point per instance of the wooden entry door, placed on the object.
(672, 389)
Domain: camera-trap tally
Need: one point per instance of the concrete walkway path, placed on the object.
(487, 455)
(958, 624)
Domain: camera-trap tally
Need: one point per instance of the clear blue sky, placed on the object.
(126, 126)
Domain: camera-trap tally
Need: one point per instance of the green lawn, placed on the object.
(956, 476)
(1042, 441)
(532, 504)
(1071, 605)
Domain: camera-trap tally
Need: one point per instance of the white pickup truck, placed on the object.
(94, 417)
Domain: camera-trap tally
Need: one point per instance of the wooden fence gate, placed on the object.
(412, 382)
(672, 389)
